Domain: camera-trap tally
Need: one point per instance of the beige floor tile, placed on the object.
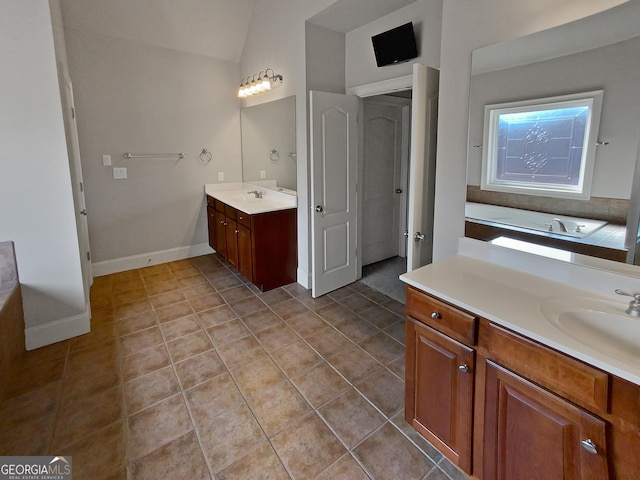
(101, 455)
(173, 312)
(335, 313)
(379, 316)
(357, 303)
(205, 302)
(166, 299)
(136, 323)
(261, 320)
(289, 309)
(241, 352)
(344, 469)
(199, 368)
(158, 425)
(356, 329)
(213, 397)
(274, 296)
(216, 316)
(296, 358)
(199, 290)
(351, 417)
(81, 416)
(188, 346)
(228, 332)
(306, 323)
(134, 342)
(328, 341)
(236, 293)
(144, 391)
(180, 327)
(278, 406)
(261, 462)
(132, 309)
(320, 384)
(386, 443)
(229, 436)
(276, 337)
(248, 305)
(257, 376)
(181, 458)
(384, 390)
(382, 347)
(145, 361)
(308, 447)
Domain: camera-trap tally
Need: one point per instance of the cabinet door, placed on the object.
(533, 434)
(244, 252)
(221, 239)
(439, 391)
(232, 241)
(211, 223)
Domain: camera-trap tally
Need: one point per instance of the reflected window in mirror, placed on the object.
(543, 146)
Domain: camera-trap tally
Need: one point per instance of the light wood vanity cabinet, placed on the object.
(262, 247)
(504, 407)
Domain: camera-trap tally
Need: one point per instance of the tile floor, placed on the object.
(189, 373)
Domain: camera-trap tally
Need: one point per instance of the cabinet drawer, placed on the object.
(219, 206)
(443, 317)
(244, 219)
(211, 202)
(564, 375)
(230, 212)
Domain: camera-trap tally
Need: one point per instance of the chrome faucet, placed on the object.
(257, 193)
(634, 305)
(561, 224)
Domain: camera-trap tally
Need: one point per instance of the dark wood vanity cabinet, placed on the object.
(262, 247)
(503, 407)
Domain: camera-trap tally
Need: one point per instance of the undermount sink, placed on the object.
(249, 198)
(599, 324)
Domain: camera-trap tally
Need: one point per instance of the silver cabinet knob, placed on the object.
(418, 236)
(398, 190)
(436, 316)
(463, 368)
(83, 212)
(589, 446)
(319, 209)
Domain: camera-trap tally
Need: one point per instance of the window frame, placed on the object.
(492, 113)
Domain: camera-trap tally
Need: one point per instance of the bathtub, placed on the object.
(543, 222)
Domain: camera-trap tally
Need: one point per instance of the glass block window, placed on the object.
(542, 147)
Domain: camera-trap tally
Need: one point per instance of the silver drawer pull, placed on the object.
(436, 316)
(463, 368)
(589, 446)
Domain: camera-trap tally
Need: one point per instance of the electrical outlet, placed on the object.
(120, 172)
(106, 160)
(221, 176)
(263, 174)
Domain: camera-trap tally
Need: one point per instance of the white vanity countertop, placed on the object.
(236, 195)
(512, 298)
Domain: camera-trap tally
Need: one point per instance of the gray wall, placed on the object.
(135, 97)
(35, 185)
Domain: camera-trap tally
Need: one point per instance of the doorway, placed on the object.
(385, 132)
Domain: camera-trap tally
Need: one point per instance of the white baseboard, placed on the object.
(58, 330)
(304, 278)
(152, 258)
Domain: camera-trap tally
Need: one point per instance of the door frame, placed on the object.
(373, 89)
(405, 104)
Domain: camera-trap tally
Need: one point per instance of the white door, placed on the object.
(385, 157)
(73, 148)
(424, 108)
(333, 145)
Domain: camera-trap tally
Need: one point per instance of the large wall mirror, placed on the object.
(269, 144)
(599, 53)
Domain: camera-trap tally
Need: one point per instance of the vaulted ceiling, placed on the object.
(215, 28)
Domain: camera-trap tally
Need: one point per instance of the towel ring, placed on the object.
(205, 156)
(274, 155)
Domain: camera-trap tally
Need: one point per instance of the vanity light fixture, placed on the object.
(264, 82)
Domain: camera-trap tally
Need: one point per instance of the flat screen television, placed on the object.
(395, 46)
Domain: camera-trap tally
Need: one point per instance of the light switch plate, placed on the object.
(106, 160)
(221, 176)
(263, 174)
(120, 172)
